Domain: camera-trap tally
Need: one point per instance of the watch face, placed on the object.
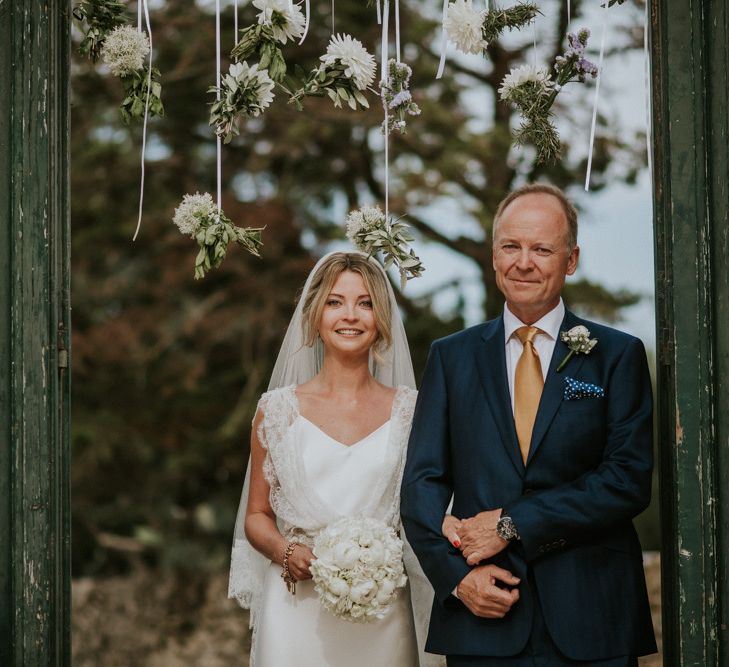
(505, 528)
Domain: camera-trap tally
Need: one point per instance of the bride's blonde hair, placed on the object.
(321, 286)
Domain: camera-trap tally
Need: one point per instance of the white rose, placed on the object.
(377, 553)
(339, 587)
(346, 555)
(578, 331)
(363, 591)
(387, 587)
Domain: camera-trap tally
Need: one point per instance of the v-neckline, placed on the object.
(344, 444)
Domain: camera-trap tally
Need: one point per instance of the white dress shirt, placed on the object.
(543, 342)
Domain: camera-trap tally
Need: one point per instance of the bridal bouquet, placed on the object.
(358, 568)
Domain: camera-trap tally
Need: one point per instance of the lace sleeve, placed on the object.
(248, 566)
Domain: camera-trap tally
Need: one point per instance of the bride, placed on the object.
(328, 441)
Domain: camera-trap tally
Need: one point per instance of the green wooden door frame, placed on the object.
(690, 86)
(690, 92)
(34, 302)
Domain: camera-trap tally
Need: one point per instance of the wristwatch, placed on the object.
(506, 529)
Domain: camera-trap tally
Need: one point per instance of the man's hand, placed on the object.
(478, 537)
(479, 592)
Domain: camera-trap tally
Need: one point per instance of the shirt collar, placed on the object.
(549, 324)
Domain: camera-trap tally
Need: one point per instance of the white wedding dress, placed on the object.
(316, 480)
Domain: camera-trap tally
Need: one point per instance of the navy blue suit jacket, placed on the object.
(587, 476)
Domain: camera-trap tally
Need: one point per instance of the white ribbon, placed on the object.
(397, 30)
(443, 41)
(332, 17)
(383, 81)
(235, 21)
(569, 13)
(597, 96)
(218, 143)
(379, 13)
(306, 22)
(647, 95)
(142, 6)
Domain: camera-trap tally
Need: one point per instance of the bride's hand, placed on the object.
(450, 528)
(299, 562)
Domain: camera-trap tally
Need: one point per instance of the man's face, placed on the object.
(531, 257)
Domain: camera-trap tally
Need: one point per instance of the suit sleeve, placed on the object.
(619, 489)
(427, 485)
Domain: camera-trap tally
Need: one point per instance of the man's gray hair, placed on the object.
(570, 212)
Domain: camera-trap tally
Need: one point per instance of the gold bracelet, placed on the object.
(286, 574)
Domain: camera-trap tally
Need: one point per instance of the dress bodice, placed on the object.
(342, 475)
(315, 480)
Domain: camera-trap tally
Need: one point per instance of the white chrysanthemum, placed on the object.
(125, 49)
(359, 63)
(362, 220)
(259, 81)
(463, 24)
(521, 75)
(291, 25)
(192, 210)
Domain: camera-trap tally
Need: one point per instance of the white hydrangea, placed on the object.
(463, 24)
(363, 220)
(520, 75)
(358, 568)
(125, 49)
(293, 20)
(359, 63)
(193, 209)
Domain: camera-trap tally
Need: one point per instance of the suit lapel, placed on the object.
(491, 365)
(554, 385)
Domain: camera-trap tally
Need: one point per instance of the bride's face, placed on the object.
(348, 321)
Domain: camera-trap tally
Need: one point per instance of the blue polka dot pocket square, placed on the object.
(574, 390)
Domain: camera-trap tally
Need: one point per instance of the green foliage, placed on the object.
(258, 41)
(331, 81)
(98, 18)
(135, 95)
(513, 18)
(213, 239)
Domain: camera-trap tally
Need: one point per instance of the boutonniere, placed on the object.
(578, 341)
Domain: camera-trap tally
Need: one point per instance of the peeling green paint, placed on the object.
(34, 300)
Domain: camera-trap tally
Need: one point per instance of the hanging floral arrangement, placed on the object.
(123, 49)
(372, 231)
(198, 217)
(533, 90)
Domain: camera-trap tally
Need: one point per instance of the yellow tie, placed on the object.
(528, 385)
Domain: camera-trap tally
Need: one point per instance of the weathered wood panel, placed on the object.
(690, 95)
(34, 282)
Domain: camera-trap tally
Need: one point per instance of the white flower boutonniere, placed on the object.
(578, 341)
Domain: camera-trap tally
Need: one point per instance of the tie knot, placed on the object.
(527, 334)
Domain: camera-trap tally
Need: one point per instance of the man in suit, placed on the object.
(547, 456)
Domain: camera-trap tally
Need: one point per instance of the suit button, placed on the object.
(562, 542)
(555, 545)
(540, 549)
(527, 491)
